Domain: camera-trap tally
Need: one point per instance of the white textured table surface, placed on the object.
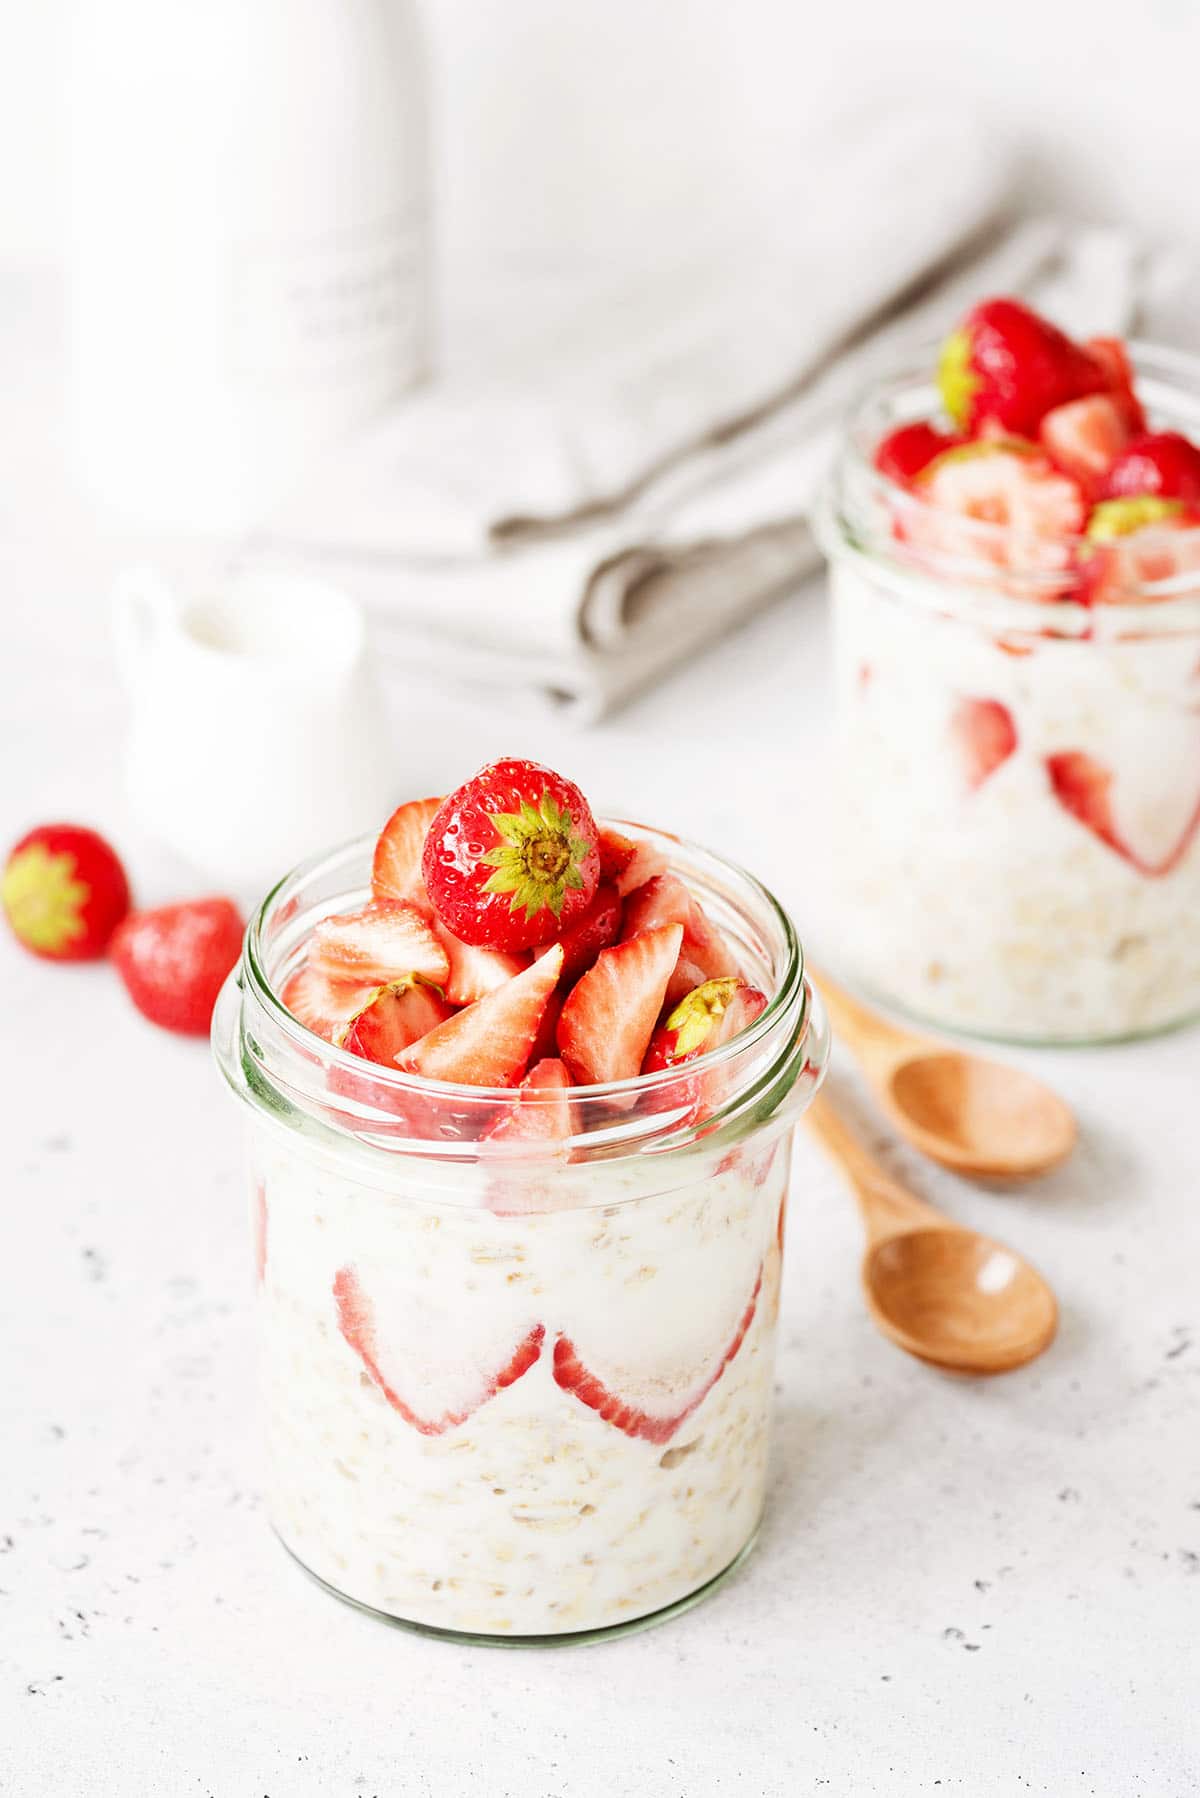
(960, 1587)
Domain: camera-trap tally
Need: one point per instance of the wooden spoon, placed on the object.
(976, 1116)
(942, 1292)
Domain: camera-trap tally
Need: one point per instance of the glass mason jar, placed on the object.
(1018, 826)
(514, 1394)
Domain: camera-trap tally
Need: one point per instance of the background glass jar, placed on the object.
(509, 1394)
(1018, 825)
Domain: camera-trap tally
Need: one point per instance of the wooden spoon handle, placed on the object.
(876, 1043)
(886, 1208)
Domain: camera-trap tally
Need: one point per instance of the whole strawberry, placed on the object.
(512, 858)
(174, 960)
(1006, 366)
(64, 892)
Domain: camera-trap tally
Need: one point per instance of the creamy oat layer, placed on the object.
(994, 907)
(519, 1424)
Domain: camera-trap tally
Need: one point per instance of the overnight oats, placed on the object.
(521, 1091)
(1015, 576)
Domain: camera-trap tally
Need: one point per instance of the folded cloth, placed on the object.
(574, 528)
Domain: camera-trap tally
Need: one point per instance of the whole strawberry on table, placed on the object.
(1047, 438)
(511, 941)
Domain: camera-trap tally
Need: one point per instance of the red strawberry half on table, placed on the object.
(1007, 366)
(512, 858)
(174, 960)
(64, 892)
(432, 1368)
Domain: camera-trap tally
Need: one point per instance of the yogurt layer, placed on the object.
(991, 905)
(619, 1462)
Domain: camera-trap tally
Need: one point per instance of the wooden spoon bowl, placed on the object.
(979, 1117)
(958, 1300)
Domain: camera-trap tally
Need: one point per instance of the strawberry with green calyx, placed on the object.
(64, 892)
(710, 1015)
(1114, 518)
(512, 857)
(392, 1018)
(609, 1016)
(1007, 366)
(1162, 463)
(174, 960)
(1133, 544)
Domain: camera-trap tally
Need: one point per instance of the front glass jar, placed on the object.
(506, 1394)
(1018, 826)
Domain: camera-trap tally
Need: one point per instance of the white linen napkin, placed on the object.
(571, 527)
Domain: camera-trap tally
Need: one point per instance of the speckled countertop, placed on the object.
(960, 1587)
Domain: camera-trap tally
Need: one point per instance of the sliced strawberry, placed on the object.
(599, 927)
(609, 1017)
(456, 1393)
(660, 901)
(385, 939)
(476, 972)
(396, 869)
(634, 1419)
(1134, 543)
(539, 1111)
(903, 453)
(628, 863)
(710, 1015)
(984, 736)
(1085, 437)
(704, 945)
(1005, 482)
(393, 1018)
(1164, 463)
(322, 1005)
(545, 1043)
(1083, 787)
(1113, 359)
(489, 1043)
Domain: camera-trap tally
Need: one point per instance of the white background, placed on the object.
(604, 127)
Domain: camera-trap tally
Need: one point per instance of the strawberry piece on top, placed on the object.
(64, 892)
(708, 1016)
(609, 1017)
(1084, 439)
(539, 1111)
(597, 929)
(1007, 366)
(322, 1005)
(1163, 463)
(174, 960)
(393, 1018)
(475, 972)
(396, 869)
(1113, 358)
(512, 856)
(628, 863)
(903, 453)
(489, 1043)
(383, 940)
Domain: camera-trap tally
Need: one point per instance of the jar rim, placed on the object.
(860, 505)
(769, 1044)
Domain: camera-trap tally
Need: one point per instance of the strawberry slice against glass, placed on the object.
(609, 1016)
(1083, 787)
(984, 736)
(537, 1123)
(427, 1361)
(628, 863)
(380, 942)
(511, 858)
(489, 1043)
(635, 1405)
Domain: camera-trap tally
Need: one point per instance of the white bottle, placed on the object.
(250, 243)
